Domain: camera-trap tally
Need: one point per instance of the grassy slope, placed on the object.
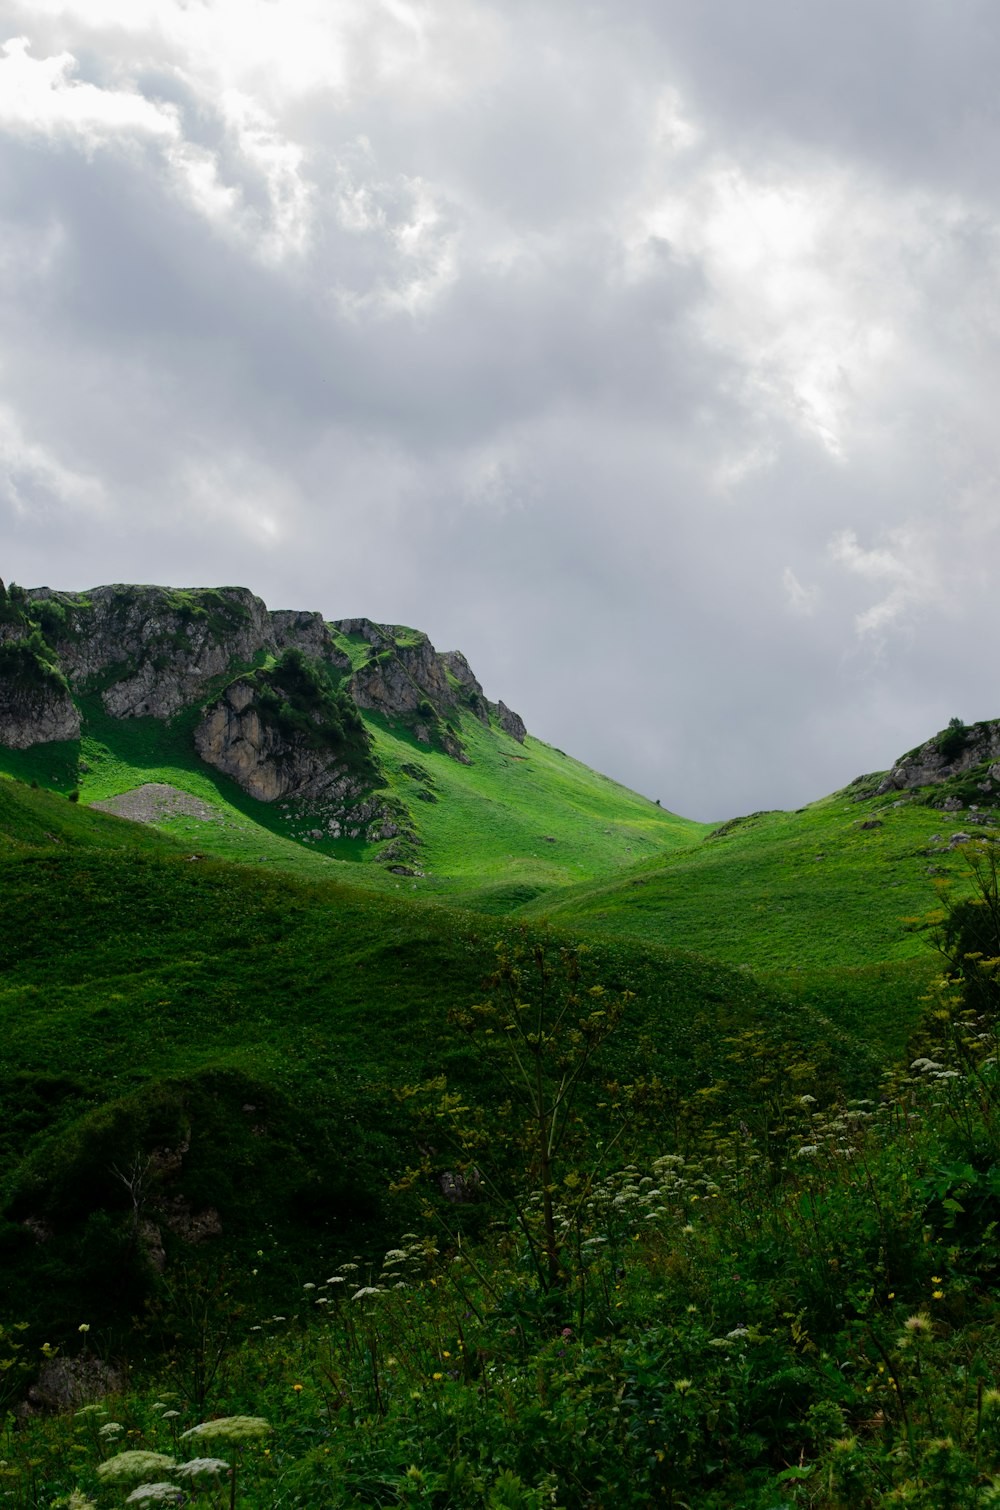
(488, 830)
(122, 962)
(809, 900)
(811, 888)
(520, 819)
(121, 966)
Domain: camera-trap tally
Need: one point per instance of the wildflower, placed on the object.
(367, 1290)
(807, 1151)
(84, 1327)
(195, 1467)
(937, 1295)
(309, 1286)
(682, 1386)
(156, 1494)
(230, 1429)
(134, 1464)
(437, 1376)
(110, 1429)
(918, 1325)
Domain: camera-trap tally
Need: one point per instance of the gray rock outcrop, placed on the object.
(401, 676)
(36, 713)
(511, 723)
(943, 757)
(264, 760)
(277, 691)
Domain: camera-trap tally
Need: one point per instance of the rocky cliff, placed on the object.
(961, 756)
(276, 696)
(35, 701)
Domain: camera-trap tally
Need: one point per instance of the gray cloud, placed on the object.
(644, 354)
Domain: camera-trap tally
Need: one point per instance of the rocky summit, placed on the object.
(273, 698)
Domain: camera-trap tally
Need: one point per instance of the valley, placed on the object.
(243, 1046)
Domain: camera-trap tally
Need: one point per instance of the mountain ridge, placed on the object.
(347, 735)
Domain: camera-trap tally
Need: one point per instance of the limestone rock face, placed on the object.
(511, 723)
(166, 646)
(264, 760)
(284, 726)
(35, 714)
(463, 674)
(307, 632)
(401, 676)
(929, 765)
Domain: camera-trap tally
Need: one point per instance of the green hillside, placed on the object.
(515, 822)
(145, 990)
(649, 1161)
(830, 885)
(775, 1258)
(519, 820)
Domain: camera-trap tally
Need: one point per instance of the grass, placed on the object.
(143, 989)
(797, 1314)
(518, 816)
(813, 889)
(217, 1021)
(516, 822)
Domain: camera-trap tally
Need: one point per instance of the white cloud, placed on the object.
(785, 258)
(40, 96)
(800, 600)
(904, 564)
(528, 318)
(36, 483)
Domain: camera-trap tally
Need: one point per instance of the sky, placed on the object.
(643, 350)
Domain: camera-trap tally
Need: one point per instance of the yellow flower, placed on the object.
(937, 1295)
(297, 1388)
(437, 1376)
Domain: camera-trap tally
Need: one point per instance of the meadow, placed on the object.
(721, 1234)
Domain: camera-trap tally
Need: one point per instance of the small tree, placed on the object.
(540, 1027)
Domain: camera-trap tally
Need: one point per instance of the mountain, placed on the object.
(356, 740)
(338, 831)
(252, 1038)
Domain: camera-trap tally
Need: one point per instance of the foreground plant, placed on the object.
(235, 1432)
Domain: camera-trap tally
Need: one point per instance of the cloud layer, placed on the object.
(645, 352)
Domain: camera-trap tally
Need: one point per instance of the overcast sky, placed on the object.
(644, 350)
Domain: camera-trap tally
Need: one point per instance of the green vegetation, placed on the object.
(553, 1150)
(794, 1311)
(295, 694)
(831, 885)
